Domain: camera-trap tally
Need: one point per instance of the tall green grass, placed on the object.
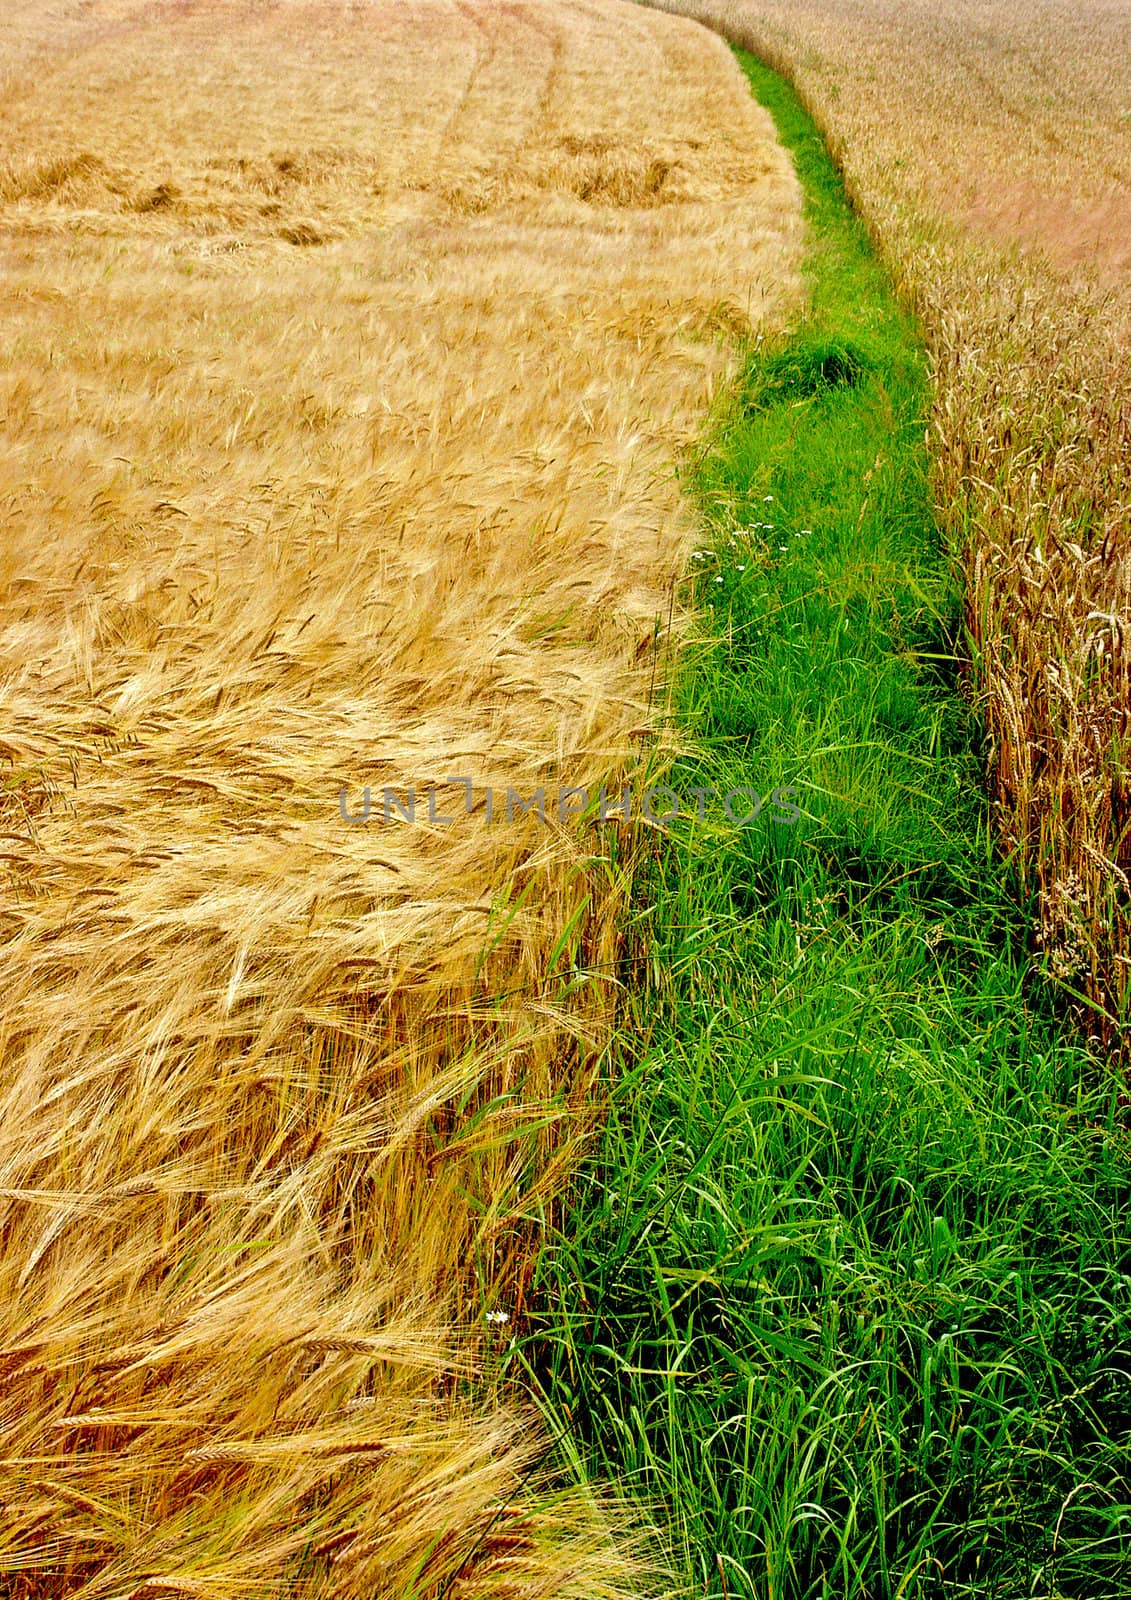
(846, 1289)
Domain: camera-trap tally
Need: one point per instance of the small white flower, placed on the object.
(807, 530)
(742, 569)
(718, 580)
(781, 547)
(497, 1316)
(766, 498)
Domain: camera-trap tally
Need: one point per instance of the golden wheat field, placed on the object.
(988, 147)
(349, 353)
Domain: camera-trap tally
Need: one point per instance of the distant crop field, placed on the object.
(988, 146)
(349, 352)
(1013, 119)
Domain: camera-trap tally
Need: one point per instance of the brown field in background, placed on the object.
(349, 350)
(988, 147)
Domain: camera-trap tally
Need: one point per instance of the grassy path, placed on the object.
(846, 1285)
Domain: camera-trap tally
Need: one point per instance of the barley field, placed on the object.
(350, 351)
(988, 147)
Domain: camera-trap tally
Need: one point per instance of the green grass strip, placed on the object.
(845, 1289)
